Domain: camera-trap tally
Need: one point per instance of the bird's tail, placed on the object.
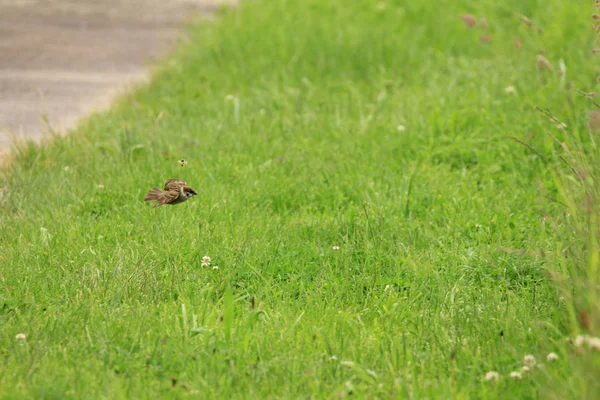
(152, 194)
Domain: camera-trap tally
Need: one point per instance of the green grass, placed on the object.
(287, 113)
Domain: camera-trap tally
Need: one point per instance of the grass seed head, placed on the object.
(469, 20)
(543, 64)
(517, 44)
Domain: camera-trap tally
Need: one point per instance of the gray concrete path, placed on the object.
(61, 59)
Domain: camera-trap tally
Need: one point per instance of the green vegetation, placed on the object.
(379, 127)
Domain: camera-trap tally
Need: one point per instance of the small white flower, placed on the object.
(510, 90)
(101, 186)
(580, 340)
(400, 128)
(215, 267)
(20, 336)
(529, 360)
(205, 261)
(336, 248)
(525, 369)
(492, 376)
(552, 357)
(516, 375)
(594, 343)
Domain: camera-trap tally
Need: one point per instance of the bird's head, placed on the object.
(189, 192)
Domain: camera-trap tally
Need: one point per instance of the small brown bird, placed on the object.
(176, 191)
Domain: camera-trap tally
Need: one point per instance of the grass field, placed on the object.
(377, 233)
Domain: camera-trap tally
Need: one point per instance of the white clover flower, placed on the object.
(529, 360)
(580, 340)
(20, 336)
(510, 90)
(525, 369)
(101, 186)
(205, 261)
(336, 248)
(594, 343)
(516, 376)
(552, 357)
(492, 376)
(215, 267)
(400, 128)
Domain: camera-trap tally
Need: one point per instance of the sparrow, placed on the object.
(176, 191)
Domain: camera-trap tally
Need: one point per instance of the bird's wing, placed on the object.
(167, 197)
(174, 184)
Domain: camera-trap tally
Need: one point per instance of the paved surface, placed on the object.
(61, 59)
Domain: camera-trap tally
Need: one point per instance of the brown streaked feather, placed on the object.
(167, 197)
(175, 184)
(152, 194)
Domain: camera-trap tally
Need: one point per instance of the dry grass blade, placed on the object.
(531, 148)
(590, 96)
(552, 118)
(526, 20)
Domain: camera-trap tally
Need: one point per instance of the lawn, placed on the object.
(373, 230)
